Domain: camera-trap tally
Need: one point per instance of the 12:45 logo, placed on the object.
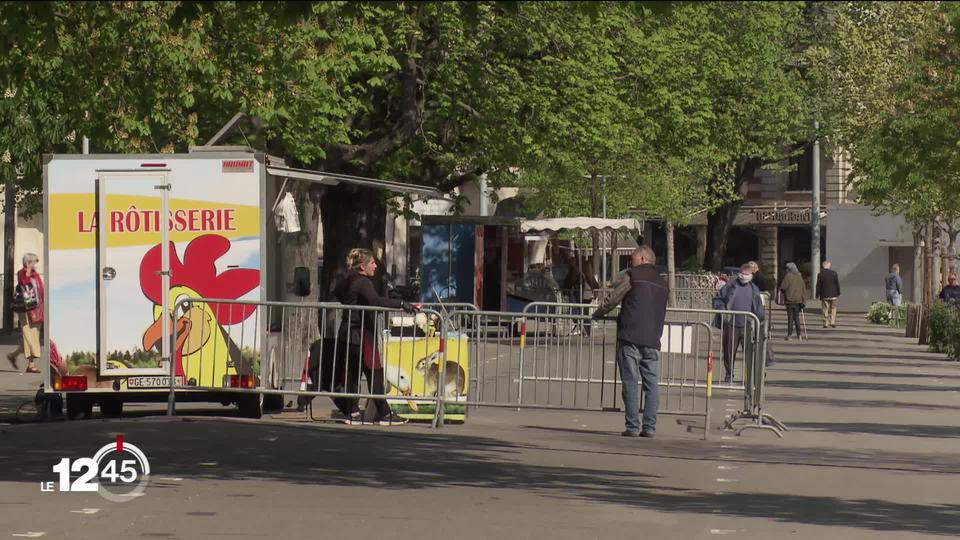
(118, 471)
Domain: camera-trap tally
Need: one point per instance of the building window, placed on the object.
(801, 178)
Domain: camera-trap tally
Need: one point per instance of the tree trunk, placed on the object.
(917, 292)
(720, 221)
(929, 256)
(596, 208)
(671, 264)
(9, 236)
(352, 217)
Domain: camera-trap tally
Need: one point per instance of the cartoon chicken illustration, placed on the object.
(203, 352)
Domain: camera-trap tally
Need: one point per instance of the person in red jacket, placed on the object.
(30, 321)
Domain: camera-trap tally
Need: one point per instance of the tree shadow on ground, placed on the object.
(851, 385)
(767, 454)
(376, 458)
(865, 403)
(878, 374)
(870, 428)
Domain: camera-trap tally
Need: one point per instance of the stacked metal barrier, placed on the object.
(754, 388)
(551, 356)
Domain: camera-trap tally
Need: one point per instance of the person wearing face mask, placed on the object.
(740, 294)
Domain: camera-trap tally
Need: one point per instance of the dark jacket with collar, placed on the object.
(828, 284)
(724, 301)
(950, 293)
(642, 296)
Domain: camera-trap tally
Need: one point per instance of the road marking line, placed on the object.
(171, 479)
(208, 463)
(87, 511)
(30, 534)
(727, 467)
(726, 438)
(727, 446)
(132, 494)
(727, 480)
(722, 531)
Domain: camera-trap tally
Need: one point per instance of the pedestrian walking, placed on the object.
(28, 303)
(758, 278)
(740, 294)
(794, 297)
(642, 296)
(894, 286)
(358, 290)
(828, 292)
(951, 293)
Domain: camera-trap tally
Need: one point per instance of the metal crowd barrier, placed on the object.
(695, 298)
(313, 350)
(551, 356)
(754, 394)
(692, 341)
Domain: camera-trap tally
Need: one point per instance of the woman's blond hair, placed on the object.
(358, 257)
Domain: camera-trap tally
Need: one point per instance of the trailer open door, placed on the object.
(132, 207)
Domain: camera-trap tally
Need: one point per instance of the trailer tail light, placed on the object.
(70, 383)
(153, 165)
(242, 381)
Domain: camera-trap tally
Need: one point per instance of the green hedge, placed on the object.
(887, 314)
(944, 320)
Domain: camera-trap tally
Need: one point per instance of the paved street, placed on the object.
(871, 454)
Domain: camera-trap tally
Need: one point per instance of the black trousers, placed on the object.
(377, 408)
(793, 318)
(733, 339)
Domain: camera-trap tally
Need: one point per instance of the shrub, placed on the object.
(887, 314)
(944, 321)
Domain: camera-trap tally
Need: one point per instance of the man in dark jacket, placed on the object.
(951, 293)
(758, 278)
(740, 294)
(828, 291)
(642, 296)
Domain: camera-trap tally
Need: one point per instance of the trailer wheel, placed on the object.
(79, 407)
(111, 408)
(251, 406)
(272, 402)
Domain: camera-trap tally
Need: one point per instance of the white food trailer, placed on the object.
(128, 236)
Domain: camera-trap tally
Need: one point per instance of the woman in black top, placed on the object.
(357, 290)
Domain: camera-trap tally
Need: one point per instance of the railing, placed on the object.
(551, 356)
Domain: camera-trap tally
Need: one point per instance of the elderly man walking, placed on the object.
(642, 296)
(828, 291)
(894, 286)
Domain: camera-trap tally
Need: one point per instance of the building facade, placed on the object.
(773, 227)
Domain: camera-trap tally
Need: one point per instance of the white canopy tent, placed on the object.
(553, 225)
(606, 227)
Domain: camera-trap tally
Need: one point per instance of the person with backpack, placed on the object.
(27, 302)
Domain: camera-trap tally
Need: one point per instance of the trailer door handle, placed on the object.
(108, 273)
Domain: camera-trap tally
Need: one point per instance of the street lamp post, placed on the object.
(815, 210)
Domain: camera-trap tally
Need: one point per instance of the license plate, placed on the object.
(151, 382)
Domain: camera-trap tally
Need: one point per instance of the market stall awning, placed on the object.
(332, 179)
(553, 225)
